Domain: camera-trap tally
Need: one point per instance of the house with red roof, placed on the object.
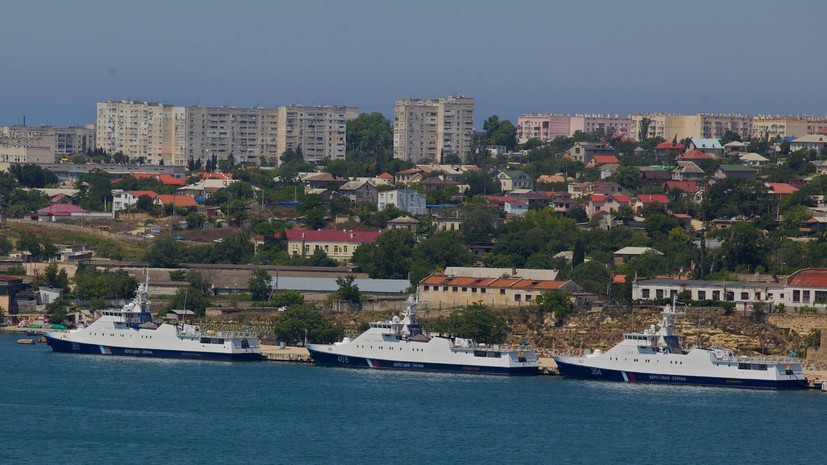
(664, 148)
(807, 287)
(780, 188)
(515, 207)
(650, 200)
(338, 245)
(58, 212)
(178, 201)
(605, 203)
(694, 155)
(598, 160)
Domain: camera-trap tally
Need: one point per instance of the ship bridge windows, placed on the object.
(752, 366)
(212, 340)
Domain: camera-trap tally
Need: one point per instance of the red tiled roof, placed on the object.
(694, 154)
(653, 198)
(810, 277)
(216, 175)
(686, 186)
(60, 209)
(385, 175)
(168, 180)
(605, 159)
(180, 200)
(311, 235)
(669, 146)
(781, 188)
(142, 193)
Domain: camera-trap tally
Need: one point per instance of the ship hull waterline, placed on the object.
(66, 346)
(349, 361)
(605, 374)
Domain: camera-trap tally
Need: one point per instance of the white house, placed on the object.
(407, 200)
(515, 207)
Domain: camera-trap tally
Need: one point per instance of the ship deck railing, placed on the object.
(759, 359)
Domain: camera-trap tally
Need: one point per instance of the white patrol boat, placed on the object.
(400, 344)
(130, 331)
(657, 357)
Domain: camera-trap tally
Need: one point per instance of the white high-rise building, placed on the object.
(320, 131)
(154, 131)
(429, 129)
(249, 134)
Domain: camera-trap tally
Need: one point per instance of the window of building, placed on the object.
(658, 293)
(473, 290)
(454, 288)
(701, 295)
(528, 297)
(425, 288)
(820, 297)
(502, 291)
(745, 296)
(517, 297)
(644, 293)
(805, 296)
(482, 290)
(716, 295)
(445, 288)
(464, 289)
(796, 296)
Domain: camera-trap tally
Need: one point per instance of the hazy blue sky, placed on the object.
(58, 58)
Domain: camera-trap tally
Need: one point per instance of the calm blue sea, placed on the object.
(64, 408)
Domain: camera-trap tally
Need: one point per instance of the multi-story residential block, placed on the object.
(786, 126)
(407, 200)
(248, 134)
(318, 130)
(702, 125)
(10, 154)
(546, 126)
(60, 141)
(428, 129)
(74, 139)
(152, 131)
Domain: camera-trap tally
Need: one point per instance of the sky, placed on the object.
(57, 59)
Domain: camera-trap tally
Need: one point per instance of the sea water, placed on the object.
(88, 409)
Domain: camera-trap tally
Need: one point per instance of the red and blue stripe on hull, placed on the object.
(333, 359)
(62, 345)
(586, 372)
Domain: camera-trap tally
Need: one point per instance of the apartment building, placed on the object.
(60, 141)
(175, 135)
(248, 134)
(320, 131)
(701, 125)
(153, 131)
(425, 130)
(545, 126)
(338, 245)
(786, 126)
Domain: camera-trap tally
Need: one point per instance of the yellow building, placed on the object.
(786, 126)
(449, 291)
(338, 245)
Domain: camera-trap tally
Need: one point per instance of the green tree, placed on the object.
(387, 258)
(745, 247)
(94, 190)
(347, 291)
(499, 132)
(578, 255)
(300, 321)
(30, 175)
(164, 252)
(478, 322)
(54, 276)
(554, 302)
(260, 285)
(5, 245)
(91, 283)
(593, 276)
(287, 298)
(190, 298)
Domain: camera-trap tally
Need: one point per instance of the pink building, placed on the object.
(542, 126)
(545, 126)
